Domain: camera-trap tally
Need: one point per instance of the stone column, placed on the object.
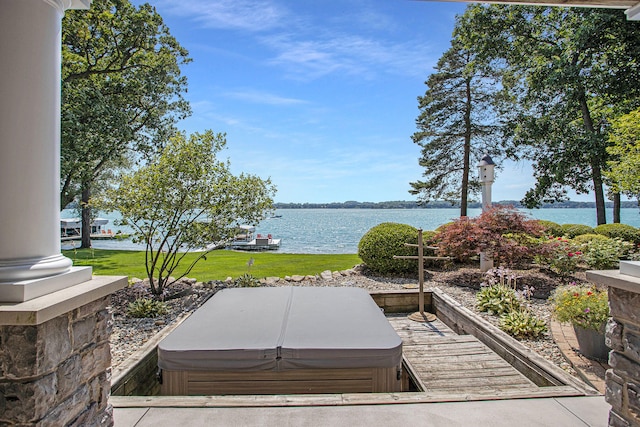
(55, 359)
(623, 337)
(31, 263)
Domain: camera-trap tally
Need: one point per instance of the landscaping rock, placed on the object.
(326, 275)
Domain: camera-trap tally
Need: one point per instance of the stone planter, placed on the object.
(591, 343)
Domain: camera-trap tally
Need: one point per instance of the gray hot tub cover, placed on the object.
(283, 328)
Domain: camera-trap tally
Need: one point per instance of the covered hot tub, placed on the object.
(283, 340)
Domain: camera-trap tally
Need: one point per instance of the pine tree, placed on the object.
(457, 124)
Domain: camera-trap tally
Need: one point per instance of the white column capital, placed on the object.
(62, 5)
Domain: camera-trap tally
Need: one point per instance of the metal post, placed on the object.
(420, 273)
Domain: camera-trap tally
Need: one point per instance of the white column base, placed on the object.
(26, 290)
(12, 270)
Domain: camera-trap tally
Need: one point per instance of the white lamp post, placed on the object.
(486, 171)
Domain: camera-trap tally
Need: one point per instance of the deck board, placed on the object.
(446, 362)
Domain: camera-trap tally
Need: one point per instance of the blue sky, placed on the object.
(318, 95)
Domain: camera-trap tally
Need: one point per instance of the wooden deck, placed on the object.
(443, 361)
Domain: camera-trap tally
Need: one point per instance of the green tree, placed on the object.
(625, 149)
(456, 124)
(186, 200)
(122, 92)
(569, 70)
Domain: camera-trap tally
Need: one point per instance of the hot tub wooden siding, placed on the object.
(300, 381)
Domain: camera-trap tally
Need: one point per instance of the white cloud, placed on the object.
(259, 97)
(366, 17)
(250, 15)
(348, 54)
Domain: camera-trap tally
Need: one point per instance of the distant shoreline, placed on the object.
(442, 205)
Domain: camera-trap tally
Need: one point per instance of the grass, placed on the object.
(219, 264)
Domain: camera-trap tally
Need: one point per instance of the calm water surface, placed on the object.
(319, 231)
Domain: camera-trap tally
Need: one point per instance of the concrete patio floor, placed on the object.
(562, 412)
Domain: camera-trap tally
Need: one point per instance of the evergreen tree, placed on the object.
(457, 124)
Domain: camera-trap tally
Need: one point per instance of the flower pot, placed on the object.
(591, 343)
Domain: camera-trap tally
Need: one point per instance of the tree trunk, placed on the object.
(86, 216)
(596, 174)
(464, 190)
(616, 208)
(596, 170)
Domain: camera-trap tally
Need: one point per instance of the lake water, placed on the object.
(321, 231)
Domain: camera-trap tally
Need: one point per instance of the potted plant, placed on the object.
(587, 309)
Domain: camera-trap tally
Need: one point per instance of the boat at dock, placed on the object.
(247, 240)
(71, 229)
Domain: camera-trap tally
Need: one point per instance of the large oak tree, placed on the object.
(122, 93)
(570, 71)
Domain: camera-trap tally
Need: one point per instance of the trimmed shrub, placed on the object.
(378, 246)
(588, 238)
(619, 231)
(442, 227)
(551, 228)
(428, 237)
(573, 230)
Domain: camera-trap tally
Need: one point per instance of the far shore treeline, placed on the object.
(412, 204)
(409, 204)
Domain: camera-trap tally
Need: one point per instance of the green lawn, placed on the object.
(219, 264)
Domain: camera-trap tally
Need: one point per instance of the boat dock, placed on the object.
(246, 240)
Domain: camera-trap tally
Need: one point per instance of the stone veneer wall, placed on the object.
(58, 373)
(623, 379)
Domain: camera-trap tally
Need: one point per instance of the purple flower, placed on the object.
(587, 310)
